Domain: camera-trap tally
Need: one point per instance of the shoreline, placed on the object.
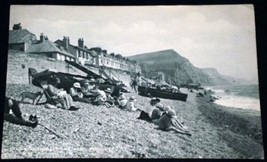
(240, 128)
(100, 132)
(239, 116)
(231, 96)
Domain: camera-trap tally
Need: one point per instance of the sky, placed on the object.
(219, 36)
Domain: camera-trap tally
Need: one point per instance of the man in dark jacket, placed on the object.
(13, 114)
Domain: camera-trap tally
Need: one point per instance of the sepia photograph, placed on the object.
(165, 81)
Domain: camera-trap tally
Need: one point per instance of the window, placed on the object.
(87, 56)
(49, 55)
(80, 53)
(58, 56)
(83, 54)
(63, 57)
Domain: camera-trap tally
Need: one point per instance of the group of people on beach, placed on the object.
(87, 91)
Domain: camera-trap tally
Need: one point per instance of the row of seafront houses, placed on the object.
(61, 50)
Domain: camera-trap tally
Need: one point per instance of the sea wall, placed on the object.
(18, 64)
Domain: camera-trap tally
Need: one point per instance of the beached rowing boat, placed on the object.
(66, 80)
(146, 91)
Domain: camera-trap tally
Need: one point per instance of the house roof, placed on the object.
(19, 36)
(47, 46)
(72, 48)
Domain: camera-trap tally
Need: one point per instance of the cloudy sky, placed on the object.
(219, 36)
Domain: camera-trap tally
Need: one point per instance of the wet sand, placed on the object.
(100, 132)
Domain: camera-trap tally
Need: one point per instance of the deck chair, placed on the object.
(48, 97)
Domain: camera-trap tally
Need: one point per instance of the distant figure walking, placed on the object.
(136, 82)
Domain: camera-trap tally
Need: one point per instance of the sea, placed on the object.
(238, 96)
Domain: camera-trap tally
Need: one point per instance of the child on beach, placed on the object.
(122, 101)
(130, 105)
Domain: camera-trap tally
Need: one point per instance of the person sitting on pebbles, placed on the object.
(86, 87)
(110, 99)
(100, 96)
(122, 101)
(130, 105)
(158, 112)
(76, 94)
(168, 121)
(56, 96)
(146, 114)
(74, 91)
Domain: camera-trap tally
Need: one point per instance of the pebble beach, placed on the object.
(99, 132)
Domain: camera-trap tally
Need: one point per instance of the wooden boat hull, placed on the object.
(66, 80)
(144, 91)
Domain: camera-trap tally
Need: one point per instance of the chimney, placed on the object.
(42, 37)
(17, 26)
(80, 42)
(66, 42)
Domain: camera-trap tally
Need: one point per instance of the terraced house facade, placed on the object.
(23, 40)
(97, 57)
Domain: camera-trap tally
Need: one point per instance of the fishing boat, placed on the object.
(66, 80)
(153, 92)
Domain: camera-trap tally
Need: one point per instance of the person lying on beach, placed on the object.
(76, 94)
(168, 121)
(57, 97)
(13, 114)
(146, 114)
(130, 105)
